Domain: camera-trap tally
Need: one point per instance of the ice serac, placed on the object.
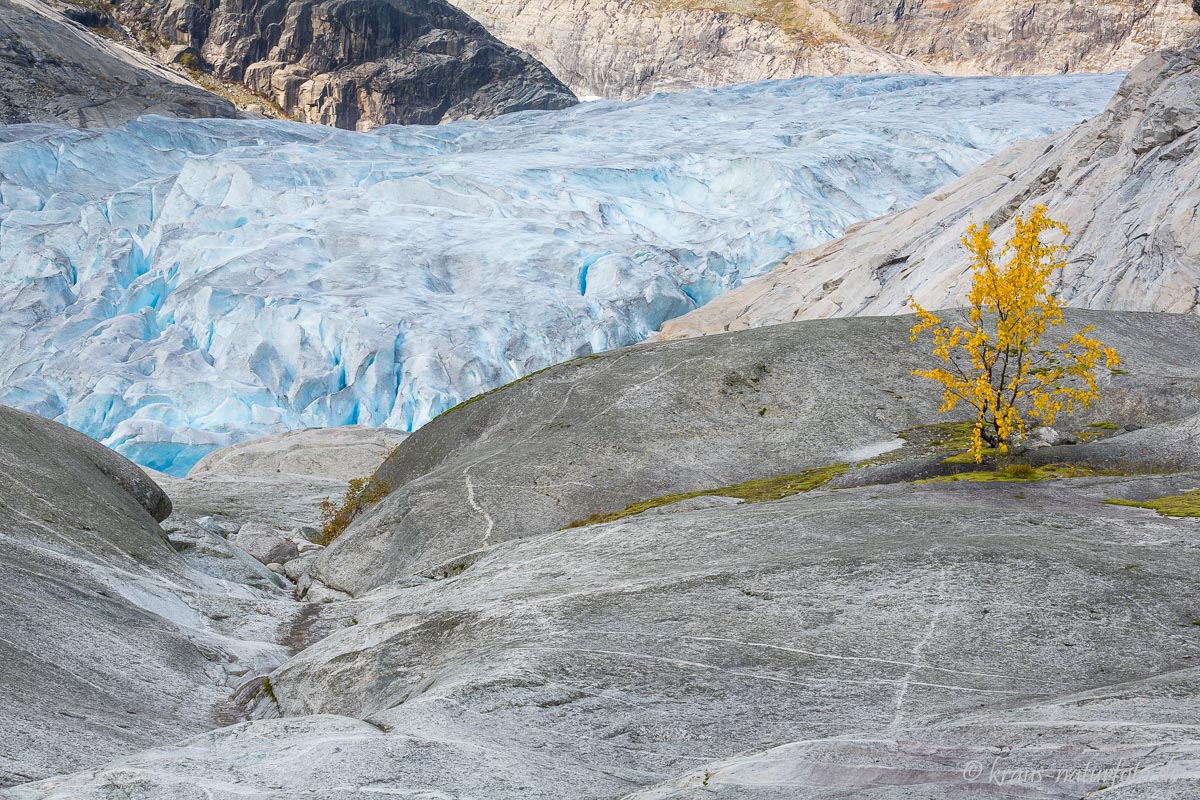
(54, 70)
(628, 48)
(357, 64)
(1127, 183)
(171, 288)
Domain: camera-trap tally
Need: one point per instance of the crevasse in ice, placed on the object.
(174, 286)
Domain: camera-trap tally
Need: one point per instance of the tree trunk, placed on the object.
(990, 433)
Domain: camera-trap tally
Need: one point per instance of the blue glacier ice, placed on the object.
(171, 287)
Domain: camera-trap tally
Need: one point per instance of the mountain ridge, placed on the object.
(629, 48)
(354, 64)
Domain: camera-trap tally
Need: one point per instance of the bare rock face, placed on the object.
(111, 641)
(1024, 37)
(1126, 183)
(278, 482)
(358, 64)
(342, 453)
(629, 48)
(894, 641)
(596, 434)
(626, 49)
(53, 69)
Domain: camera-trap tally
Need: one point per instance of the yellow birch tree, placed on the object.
(995, 361)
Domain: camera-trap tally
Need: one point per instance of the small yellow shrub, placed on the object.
(994, 362)
(361, 494)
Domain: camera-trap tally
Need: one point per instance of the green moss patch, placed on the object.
(967, 457)
(756, 491)
(1097, 430)
(1178, 505)
(1023, 473)
(940, 435)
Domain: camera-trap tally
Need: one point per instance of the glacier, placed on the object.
(170, 287)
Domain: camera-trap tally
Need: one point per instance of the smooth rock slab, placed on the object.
(215, 555)
(265, 544)
(341, 453)
(596, 434)
(54, 70)
(110, 640)
(863, 643)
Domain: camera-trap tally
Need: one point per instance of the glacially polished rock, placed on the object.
(872, 643)
(596, 434)
(54, 70)
(343, 453)
(111, 641)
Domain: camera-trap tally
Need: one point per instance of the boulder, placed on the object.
(1043, 436)
(215, 555)
(266, 544)
(297, 567)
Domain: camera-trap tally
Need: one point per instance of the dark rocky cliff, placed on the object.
(357, 63)
(54, 70)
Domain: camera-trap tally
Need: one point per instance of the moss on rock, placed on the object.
(754, 491)
(1024, 473)
(1178, 505)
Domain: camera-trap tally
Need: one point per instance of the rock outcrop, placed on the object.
(1021, 37)
(110, 640)
(55, 70)
(270, 488)
(339, 453)
(628, 48)
(598, 433)
(1126, 183)
(939, 641)
(357, 64)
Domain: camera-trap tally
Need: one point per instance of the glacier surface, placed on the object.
(171, 287)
